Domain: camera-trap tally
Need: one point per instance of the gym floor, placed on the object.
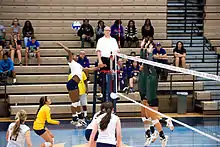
(133, 133)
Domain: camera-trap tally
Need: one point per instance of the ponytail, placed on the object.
(20, 117)
(42, 102)
(106, 119)
(16, 128)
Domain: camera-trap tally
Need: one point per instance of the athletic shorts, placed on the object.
(40, 132)
(104, 145)
(72, 85)
(88, 133)
(83, 99)
(153, 103)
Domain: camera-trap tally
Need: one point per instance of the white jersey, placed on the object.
(76, 69)
(108, 135)
(90, 126)
(106, 46)
(17, 141)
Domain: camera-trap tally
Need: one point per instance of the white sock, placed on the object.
(53, 140)
(47, 144)
(85, 113)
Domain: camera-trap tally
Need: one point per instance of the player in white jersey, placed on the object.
(109, 127)
(72, 85)
(18, 132)
(89, 128)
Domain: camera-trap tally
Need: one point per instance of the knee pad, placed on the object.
(47, 144)
(76, 104)
(154, 122)
(146, 119)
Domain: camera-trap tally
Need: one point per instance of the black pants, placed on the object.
(104, 145)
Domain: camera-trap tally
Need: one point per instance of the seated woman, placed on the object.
(131, 33)
(28, 32)
(118, 34)
(147, 30)
(7, 67)
(15, 42)
(180, 55)
(99, 31)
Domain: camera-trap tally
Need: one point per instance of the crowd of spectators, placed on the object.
(128, 34)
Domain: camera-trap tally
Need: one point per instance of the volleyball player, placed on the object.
(148, 83)
(83, 91)
(72, 84)
(89, 128)
(43, 115)
(18, 132)
(109, 127)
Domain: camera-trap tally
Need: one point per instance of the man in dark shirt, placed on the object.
(160, 56)
(86, 33)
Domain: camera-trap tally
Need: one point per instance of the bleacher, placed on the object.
(52, 20)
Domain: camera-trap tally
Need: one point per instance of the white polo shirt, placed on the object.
(106, 46)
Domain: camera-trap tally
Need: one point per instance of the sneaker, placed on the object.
(125, 89)
(164, 141)
(170, 124)
(154, 136)
(82, 122)
(74, 122)
(78, 125)
(88, 82)
(20, 63)
(14, 80)
(148, 141)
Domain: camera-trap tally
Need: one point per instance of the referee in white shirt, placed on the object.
(106, 47)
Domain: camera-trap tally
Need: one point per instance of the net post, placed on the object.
(171, 89)
(193, 94)
(94, 93)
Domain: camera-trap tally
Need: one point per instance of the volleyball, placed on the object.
(76, 25)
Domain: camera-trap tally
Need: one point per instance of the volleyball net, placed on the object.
(189, 130)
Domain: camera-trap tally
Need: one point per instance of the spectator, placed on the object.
(15, 42)
(2, 40)
(122, 74)
(100, 30)
(117, 32)
(160, 55)
(28, 32)
(133, 72)
(146, 43)
(33, 50)
(147, 30)
(180, 55)
(86, 33)
(131, 34)
(7, 67)
(84, 62)
(129, 62)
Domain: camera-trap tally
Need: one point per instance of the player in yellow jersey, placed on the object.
(43, 115)
(83, 91)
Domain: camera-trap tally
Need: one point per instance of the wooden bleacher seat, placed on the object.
(63, 61)
(66, 23)
(60, 88)
(66, 109)
(86, 9)
(202, 95)
(62, 78)
(84, 2)
(70, 16)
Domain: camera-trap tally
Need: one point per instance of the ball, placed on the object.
(76, 25)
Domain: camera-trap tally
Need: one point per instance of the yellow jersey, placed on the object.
(81, 85)
(43, 116)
